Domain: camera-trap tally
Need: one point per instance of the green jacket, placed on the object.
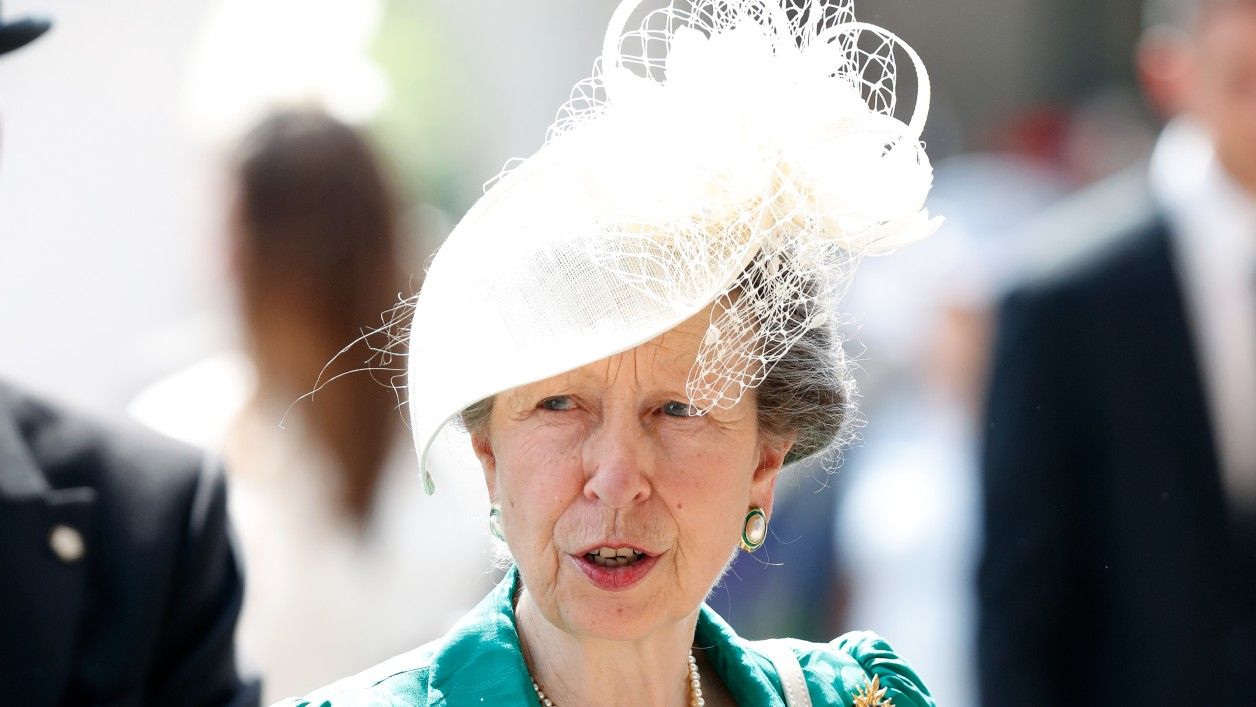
(479, 663)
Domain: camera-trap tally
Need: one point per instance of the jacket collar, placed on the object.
(481, 656)
(501, 676)
(748, 675)
(43, 606)
(20, 477)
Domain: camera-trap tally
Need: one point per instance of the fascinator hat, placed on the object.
(734, 152)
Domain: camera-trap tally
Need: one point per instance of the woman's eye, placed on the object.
(558, 403)
(675, 408)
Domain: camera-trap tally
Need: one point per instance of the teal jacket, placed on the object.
(479, 663)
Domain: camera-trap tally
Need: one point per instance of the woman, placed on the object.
(326, 508)
(633, 325)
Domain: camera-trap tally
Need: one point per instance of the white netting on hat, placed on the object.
(740, 73)
(738, 152)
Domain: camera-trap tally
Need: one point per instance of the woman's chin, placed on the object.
(619, 604)
(615, 619)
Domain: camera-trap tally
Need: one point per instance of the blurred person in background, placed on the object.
(926, 321)
(120, 585)
(1120, 456)
(337, 535)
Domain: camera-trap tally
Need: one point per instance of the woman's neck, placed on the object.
(651, 671)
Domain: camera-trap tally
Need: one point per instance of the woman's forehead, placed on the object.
(666, 360)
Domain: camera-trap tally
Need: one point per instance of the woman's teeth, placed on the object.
(611, 557)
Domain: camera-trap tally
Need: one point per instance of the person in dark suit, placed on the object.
(1119, 466)
(118, 585)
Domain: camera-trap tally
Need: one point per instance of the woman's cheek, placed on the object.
(553, 438)
(688, 448)
(709, 498)
(699, 459)
(544, 475)
(541, 445)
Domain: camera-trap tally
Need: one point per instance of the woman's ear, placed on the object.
(772, 452)
(483, 448)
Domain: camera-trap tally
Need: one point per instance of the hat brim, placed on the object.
(15, 35)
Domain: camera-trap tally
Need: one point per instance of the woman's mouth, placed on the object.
(614, 557)
(615, 568)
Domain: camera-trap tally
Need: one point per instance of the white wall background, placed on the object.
(106, 206)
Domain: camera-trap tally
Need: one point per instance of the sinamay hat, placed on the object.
(718, 143)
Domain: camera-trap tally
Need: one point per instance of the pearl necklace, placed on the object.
(695, 687)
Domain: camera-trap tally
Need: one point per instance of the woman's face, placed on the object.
(611, 456)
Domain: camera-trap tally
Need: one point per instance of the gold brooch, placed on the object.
(873, 695)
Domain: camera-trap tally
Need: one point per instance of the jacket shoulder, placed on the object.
(71, 448)
(856, 665)
(1129, 260)
(160, 589)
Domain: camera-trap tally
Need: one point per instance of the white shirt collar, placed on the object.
(1215, 218)
(1213, 226)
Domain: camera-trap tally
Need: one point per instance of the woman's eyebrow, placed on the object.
(556, 385)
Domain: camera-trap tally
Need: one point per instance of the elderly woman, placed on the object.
(634, 327)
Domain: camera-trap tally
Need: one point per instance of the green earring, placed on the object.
(755, 530)
(495, 522)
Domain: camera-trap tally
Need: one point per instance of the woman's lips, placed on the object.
(614, 579)
(615, 546)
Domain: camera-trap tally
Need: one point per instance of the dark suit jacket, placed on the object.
(144, 614)
(1108, 573)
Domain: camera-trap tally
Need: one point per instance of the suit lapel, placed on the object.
(43, 591)
(1177, 379)
(1165, 490)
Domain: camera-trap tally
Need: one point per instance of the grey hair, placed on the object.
(474, 417)
(808, 394)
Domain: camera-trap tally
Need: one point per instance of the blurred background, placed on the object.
(122, 180)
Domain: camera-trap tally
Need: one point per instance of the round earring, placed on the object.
(495, 522)
(755, 530)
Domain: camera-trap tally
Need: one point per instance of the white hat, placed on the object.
(720, 147)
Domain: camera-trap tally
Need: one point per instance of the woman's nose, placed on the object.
(615, 459)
